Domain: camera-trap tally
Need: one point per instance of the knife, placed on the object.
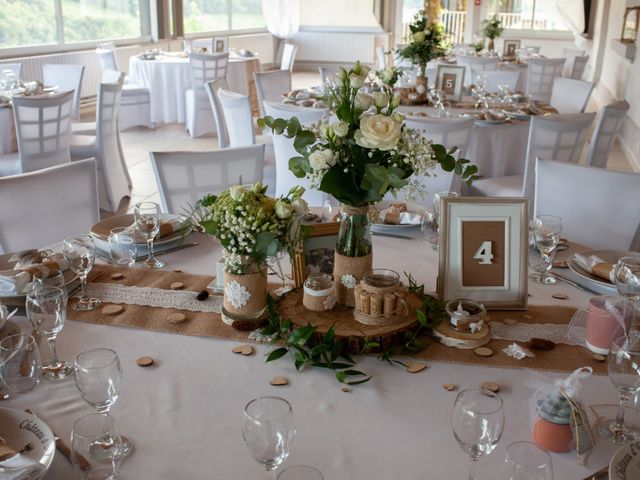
(105, 256)
(391, 235)
(574, 284)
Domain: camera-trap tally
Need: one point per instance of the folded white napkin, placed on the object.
(12, 281)
(391, 216)
(595, 265)
(20, 467)
(410, 218)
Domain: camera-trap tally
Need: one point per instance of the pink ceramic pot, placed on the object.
(602, 326)
(551, 436)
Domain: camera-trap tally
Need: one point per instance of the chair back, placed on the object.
(289, 51)
(478, 64)
(206, 67)
(599, 208)
(328, 74)
(238, 119)
(533, 48)
(570, 96)
(194, 44)
(185, 177)
(577, 66)
(270, 86)
(16, 68)
(65, 77)
(112, 76)
(541, 72)
(47, 205)
(495, 78)
(218, 115)
(569, 54)
(557, 137)
(43, 130)
(608, 125)
(107, 58)
(381, 58)
(283, 150)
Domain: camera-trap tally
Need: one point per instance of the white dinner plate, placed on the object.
(411, 207)
(609, 256)
(23, 431)
(625, 463)
(69, 277)
(102, 229)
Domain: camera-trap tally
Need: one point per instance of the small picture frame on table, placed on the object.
(220, 44)
(450, 80)
(630, 25)
(509, 48)
(317, 251)
(484, 251)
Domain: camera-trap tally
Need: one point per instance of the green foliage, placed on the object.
(428, 41)
(492, 27)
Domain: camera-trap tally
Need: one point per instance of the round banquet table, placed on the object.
(168, 77)
(184, 414)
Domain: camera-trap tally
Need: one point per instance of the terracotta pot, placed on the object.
(554, 437)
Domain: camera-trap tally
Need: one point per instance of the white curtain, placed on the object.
(572, 12)
(282, 17)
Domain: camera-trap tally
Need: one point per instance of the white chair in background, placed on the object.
(599, 208)
(283, 149)
(558, 137)
(270, 86)
(575, 66)
(47, 205)
(43, 132)
(495, 78)
(218, 115)
(236, 109)
(107, 56)
(381, 58)
(185, 177)
(328, 74)
(204, 68)
(114, 182)
(541, 72)
(570, 96)
(608, 125)
(16, 68)
(65, 77)
(533, 48)
(569, 54)
(289, 51)
(477, 64)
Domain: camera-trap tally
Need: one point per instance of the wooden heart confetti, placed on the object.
(346, 389)
(599, 358)
(449, 387)
(483, 352)
(117, 275)
(177, 285)
(526, 317)
(176, 317)
(491, 386)
(245, 350)
(112, 309)
(279, 381)
(510, 321)
(560, 296)
(415, 367)
(144, 361)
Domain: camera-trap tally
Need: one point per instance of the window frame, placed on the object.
(179, 4)
(527, 31)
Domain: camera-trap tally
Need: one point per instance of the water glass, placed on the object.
(55, 278)
(80, 253)
(300, 472)
(123, 247)
(20, 363)
(546, 234)
(268, 430)
(96, 447)
(526, 461)
(147, 222)
(627, 278)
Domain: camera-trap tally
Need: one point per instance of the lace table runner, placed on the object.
(523, 332)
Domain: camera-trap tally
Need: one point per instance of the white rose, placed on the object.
(300, 206)
(236, 192)
(363, 101)
(378, 131)
(387, 74)
(342, 74)
(329, 157)
(419, 37)
(317, 160)
(283, 210)
(356, 81)
(380, 99)
(364, 71)
(395, 102)
(340, 129)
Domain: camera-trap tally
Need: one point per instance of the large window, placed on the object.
(527, 14)
(222, 15)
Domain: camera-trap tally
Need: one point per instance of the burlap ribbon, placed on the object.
(346, 269)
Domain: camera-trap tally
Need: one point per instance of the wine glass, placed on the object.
(546, 233)
(47, 311)
(20, 362)
(123, 247)
(478, 420)
(300, 472)
(624, 371)
(268, 430)
(147, 217)
(55, 278)
(96, 447)
(80, 252)
(627, 278)
(526, 461)
(98, 378)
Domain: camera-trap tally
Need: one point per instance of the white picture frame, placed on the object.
(450, 79)
(220, 44)
(510, 48)
(461, 218)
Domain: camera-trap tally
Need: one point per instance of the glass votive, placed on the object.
(20, 363)
(319, 293)
(464, 314)
(381, 278)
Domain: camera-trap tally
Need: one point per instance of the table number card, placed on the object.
(483, 251)
(510, 48)
(450, 79)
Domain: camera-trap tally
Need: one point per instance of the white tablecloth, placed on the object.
(168, 77)
(7, 131)
(184, 414)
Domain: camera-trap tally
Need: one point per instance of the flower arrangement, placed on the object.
(250, 225)
(428, 42)
(492, 27)
(389, 76)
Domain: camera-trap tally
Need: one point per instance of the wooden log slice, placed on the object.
(451, 337)
(347, 328)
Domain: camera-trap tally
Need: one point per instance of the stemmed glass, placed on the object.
(80, 253)
(300, 472)
(98, 378)
(526, 461)
(55, 278)
(624, 372)
(47, 311)
(96, 447)
(627, 278)
(546, 233)
(147, 217)
(123, 247)
(268, 430)
(478, 420)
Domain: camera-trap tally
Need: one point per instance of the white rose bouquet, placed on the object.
(389, 76)
(428, 41)
(250, 225)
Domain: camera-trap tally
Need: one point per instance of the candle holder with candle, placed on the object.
(466, 328)
(380, 298)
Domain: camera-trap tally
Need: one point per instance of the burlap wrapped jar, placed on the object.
(245, 295)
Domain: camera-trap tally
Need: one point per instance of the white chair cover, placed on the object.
(577, 66)
(477, 64)
(288, 56)
(495, 78)
(599, 208)
(381, 58)
(65, 77)
(47, 205)
(16, 68)
(204, 68)
(270, 86)
(569, 54)
(541, 72)
(608, 125)
(283, 148)
(185, 177)
(218, 115)
(236, 109)
(570, 96)
(43, 130)
(107, 58)
(112, 76)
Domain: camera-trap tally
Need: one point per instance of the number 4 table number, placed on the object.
(484, 255)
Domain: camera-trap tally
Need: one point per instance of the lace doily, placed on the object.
(237, 294)
(154, 297)
(523, 332)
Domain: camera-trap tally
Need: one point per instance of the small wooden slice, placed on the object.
(346, 389)
(415, 367)
(491, 386)
(117, 275)
(483, 352)
(177, 285)
(599, 358)
(176, 317)
(144, 361)
(279, 381)
(449, 387)
(245, 350)
(526, 317)
(510, 321)
(112, 309)
(560, 296)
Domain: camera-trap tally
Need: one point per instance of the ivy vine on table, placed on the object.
(306, 348)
